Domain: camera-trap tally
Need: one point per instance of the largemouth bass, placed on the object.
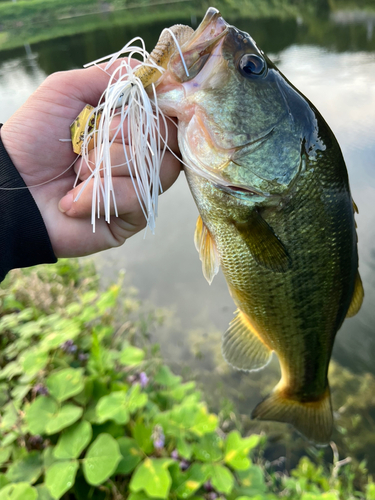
(276, 213)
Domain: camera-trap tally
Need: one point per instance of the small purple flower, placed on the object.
(208, 486)
(158, 437)
(212, 496)
(35, 441)
(143, 379)
(41, 389)
(69, 347)
(184, 464)
(174, 454)
(83, 356)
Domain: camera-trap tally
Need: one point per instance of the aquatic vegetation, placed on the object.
(87, 414)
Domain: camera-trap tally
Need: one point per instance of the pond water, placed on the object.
(332, 61)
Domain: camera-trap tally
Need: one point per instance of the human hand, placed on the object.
(31, 138)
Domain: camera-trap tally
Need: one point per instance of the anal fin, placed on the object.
(208, 253)
(312, 419)
(357, 298)
(242, 348)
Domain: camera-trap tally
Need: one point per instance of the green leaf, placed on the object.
(4, 387)
(4, 454)
(370, 491)
(43, 492)
(9, 438)
(320, 496)
(166, 377)
(237, 450)
(60, 477)
(142, 433)
(101, 459)
(252, 481)
(48, 456)
(221, 478)
(63, 329)
(131, 356)
(131, 455)
(33, 361)
(187, 417)
(39, 413)
(153, 477)
(64, 417)
(119, 405)
(28, 468)
(138, 496)
(9, 417)
(65, 383)
(179, 392)
(73, 441)
(196, 475)
(20, 491)
(3, 480)
(136, 398)
(10, 370)
(184, 449)
(208, 448)
(19, 392)
(113, 407)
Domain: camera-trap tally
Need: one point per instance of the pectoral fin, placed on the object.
(357, 298)
(242, 347)
(266, 248)
(207, 251)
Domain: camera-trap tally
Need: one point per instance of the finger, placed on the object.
(126, 198)
(84, 85)
(121, 162)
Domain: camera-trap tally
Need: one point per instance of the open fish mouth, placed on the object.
(197, 50)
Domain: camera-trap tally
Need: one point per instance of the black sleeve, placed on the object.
(24, 239)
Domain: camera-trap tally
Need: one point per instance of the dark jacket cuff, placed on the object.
(24, 239)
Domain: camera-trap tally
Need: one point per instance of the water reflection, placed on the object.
(332, 61)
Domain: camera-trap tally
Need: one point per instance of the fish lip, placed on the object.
(214, 19)
(213, 27)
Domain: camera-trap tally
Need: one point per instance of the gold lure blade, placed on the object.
(77, 128)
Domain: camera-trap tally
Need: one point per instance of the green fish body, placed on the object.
(276, 214)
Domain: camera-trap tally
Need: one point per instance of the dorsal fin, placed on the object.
(266, 248)
(208, 253)
(242, 348)
(357, 298)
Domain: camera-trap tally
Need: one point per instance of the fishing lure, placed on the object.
(131, 96)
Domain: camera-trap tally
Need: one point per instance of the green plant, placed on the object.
(87, 414)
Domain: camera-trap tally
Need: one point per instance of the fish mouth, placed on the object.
(197, 50)
(212, 26)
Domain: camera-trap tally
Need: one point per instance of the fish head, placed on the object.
(242, 125)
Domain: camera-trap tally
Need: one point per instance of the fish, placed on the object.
(275, 214)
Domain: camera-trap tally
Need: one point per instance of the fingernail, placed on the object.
(66, 203)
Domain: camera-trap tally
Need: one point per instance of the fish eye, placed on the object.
(252, 65)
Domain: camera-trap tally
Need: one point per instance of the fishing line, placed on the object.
(41, 183)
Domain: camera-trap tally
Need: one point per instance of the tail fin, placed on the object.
(312, 419)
